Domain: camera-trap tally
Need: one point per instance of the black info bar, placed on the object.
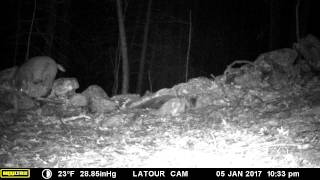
(157, 173)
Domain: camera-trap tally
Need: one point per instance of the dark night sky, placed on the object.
(223, 31)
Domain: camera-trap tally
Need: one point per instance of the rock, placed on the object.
(17, 101)
(282, 57)
(10, 97)
(7, 76)
(194, 86)
(309, 48)
(110, 122)
(64, 87)
(99, 101)
(277, 67)
(79, 100)
(173, 107)
(95, 90)
(101, 105)
(25, 102)
(124, 100)
(153, 102)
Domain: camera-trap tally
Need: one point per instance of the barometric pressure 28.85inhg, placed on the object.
(106, 174)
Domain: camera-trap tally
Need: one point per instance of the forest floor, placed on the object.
(212, 136)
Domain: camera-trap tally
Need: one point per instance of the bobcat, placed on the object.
(33, 79)
(36, 76)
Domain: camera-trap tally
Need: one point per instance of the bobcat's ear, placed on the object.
(61, 68)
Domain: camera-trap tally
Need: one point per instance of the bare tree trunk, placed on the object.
(189, 46)
(144, 49)
(117, 61)
(150, 69)
(124, 51)
(116, 67)
(30, 30)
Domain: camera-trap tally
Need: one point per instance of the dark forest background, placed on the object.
(83, 36)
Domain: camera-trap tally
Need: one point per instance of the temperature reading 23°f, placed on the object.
(65, 173)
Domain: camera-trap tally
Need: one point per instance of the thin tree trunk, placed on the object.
(30, 30)
(117, 61)
(124, 51)
(189, 46)
(150, 69)
(116, 71)
(144, 49)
